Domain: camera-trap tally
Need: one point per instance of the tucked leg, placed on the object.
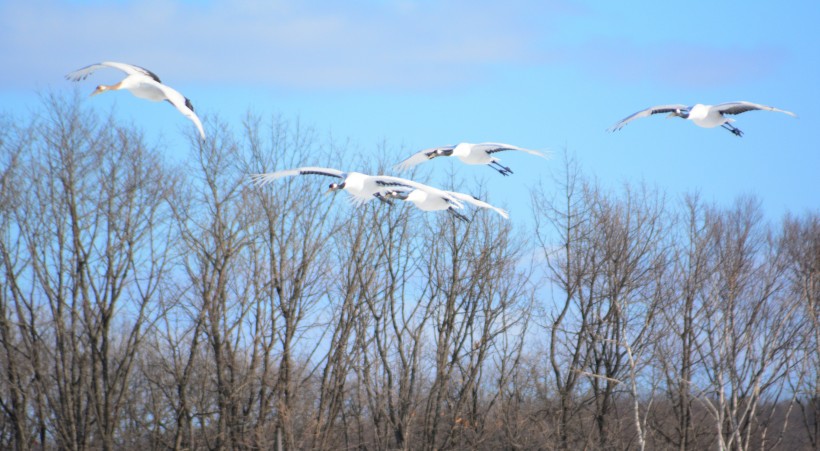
(732, 129)
(503, 170)
(457, 214)
(383, 198)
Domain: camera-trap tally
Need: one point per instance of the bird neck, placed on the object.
(104, 88)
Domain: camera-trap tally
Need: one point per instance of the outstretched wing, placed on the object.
(492, 148)
(130, 69)
(420, 157)
(646, 113)
(742, 107)
(264, 179)
(478, 203)
(390, 182)
(181, 103)
(454, 197)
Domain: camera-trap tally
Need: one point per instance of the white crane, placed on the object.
(143, 84)
(481, 153)
(361, 187)
(706, 116)
(364, 188)
(433, 199)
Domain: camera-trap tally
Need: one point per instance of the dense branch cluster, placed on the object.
(156, 303)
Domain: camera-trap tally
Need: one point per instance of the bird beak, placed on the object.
(96, 91)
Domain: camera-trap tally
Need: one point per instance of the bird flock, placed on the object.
(363, 188)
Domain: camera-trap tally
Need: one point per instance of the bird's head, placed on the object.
(100, 89)
(104, 88)
(678, 113)
(333, 187)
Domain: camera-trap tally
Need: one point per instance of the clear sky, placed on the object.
(417, 74)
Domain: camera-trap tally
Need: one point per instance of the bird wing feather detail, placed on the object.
(264, 179)
(420, 157)
(492, 148)
(390, 181)
(130, 69)
(454, 197)
(743, 106)
(646, 113)
(478, 203)
(181, 103)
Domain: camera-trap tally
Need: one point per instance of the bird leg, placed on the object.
(457, 214)
(391, 194)
(732, 129)
(503, 170)
(384, 198)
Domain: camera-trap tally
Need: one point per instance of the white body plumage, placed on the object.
(144, 84)
(467, 153)
(706, 116)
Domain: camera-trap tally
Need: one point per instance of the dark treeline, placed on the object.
(150, 303)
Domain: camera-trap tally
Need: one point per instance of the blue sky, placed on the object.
(417, 74)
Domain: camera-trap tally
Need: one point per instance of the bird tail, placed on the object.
(262, 179)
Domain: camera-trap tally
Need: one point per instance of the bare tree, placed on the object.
(628, 243)
(471, 280)
(747, 330)
(384, 332)
(291, 228)
(691, 267)
(90, 215)
(801, 242)
(563, 232)
(18, 336)
(148, 305)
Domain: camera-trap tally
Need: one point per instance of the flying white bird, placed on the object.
(143, 84)
(433, 199)
(364, 188)
(706, 116)
(361, 187)
(468, 153)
